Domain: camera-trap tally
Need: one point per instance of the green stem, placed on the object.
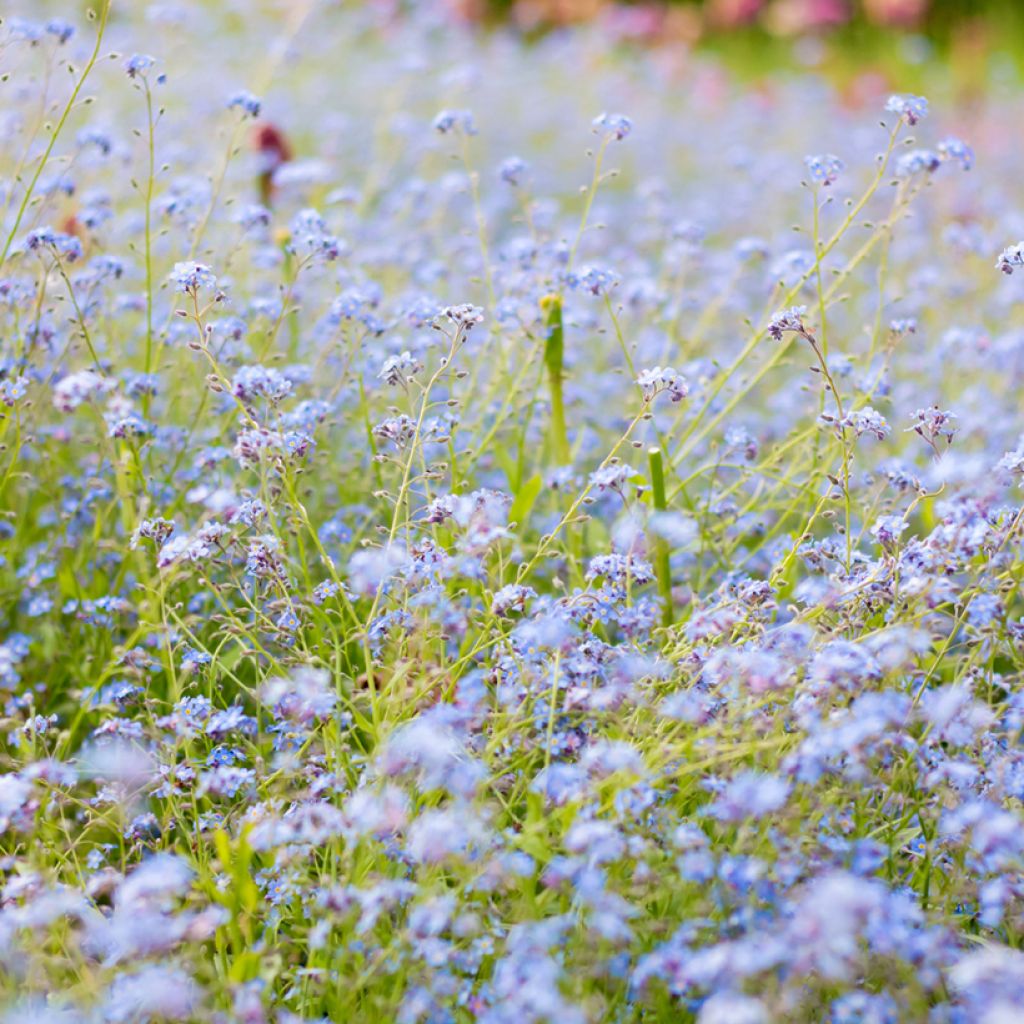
(26, 199)
(149, 237)
(554, 360)
(595, 181)
(659, 546)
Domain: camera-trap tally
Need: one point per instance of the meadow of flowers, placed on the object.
(471, 557)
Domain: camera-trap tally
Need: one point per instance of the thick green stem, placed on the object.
(659, 546)
(554, 360)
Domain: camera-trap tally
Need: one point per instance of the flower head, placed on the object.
(513, 170)
(464, 316)
(788, 320)
(824, 169)
(917, 161)
(955, 150)
(249, 104)
(138, 64)
(911, 108)
(60, 28)
(1012, 256)
(190, 276)
(614, 126)
(455, 121)
(653, 382)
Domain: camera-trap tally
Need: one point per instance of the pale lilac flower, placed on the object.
(750, 795)
(911, 108)
(824, 169)
(616, 126)
(455, 121)
(1011, 257)
(787, 320)
(305, 696)
(654, 381)
(189, 277)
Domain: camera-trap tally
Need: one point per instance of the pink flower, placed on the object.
(895, 12)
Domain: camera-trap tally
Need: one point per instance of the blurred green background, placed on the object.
(970, 39)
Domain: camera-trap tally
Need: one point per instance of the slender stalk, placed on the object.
(30, 191)
(595, 181)
(149, 236)
(690, 437)
(78, 314)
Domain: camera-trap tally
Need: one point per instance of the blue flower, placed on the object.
(190, 277)
(138, 64)
(911, 108)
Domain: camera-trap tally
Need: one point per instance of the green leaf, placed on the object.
(525, 499)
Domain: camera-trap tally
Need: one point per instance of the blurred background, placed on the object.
(974, 38)
(956, 47)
